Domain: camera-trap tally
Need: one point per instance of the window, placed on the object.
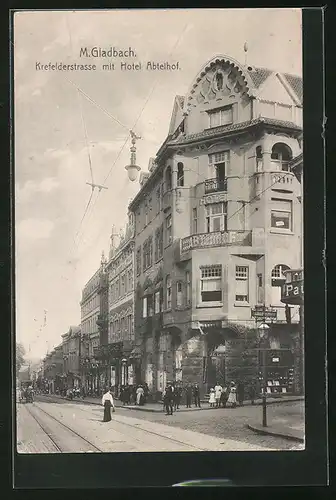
(169, 292)
(216, 217)
(157, 302)
(278, 277)
(130, 280)
(281, 214)
(168, 230)
(158, 200)
(222, 157)
(146, 212)
(242, 284)
(211, 283)
(179, 294)
(259, 159)
(260, 291)
(138, 261)
(144, 307)
(148, 253)
(188, 284)
(180, 174)
(220, 117)
(281, 156)
(158, 243)
(194, 221)
(150, 209)
(150, 308)
(168, 179)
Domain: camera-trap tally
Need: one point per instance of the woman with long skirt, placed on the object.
(108, 403)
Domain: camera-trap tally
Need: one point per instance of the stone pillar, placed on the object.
(193, 362)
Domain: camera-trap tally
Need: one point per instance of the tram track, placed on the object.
(89, 447)
(139, 427)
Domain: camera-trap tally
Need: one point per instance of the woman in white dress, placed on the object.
(233, 395)
(212, 400)
(108, 403)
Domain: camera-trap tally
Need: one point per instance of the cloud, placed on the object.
(34, 229)
(31, 187)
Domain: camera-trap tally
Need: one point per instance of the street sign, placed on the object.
(264, 313)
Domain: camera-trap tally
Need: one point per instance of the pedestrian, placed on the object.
(139, 395)
(108, 403)
(197, 396)
(252, 392)
(240, 393)
(177, 397)
(232, 399)
(212, 399)
(127, 394)
(169, 400)
(218, 392)
(188, 395)
(224, 397)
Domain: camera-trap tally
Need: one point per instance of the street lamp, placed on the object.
(262, 332)
(133, 168)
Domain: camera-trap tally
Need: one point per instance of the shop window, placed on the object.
(180, 174)
(281, 214)
(242, 284)
(211, 283)
(216, 217)
(281, 156)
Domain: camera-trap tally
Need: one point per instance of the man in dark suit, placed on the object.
(188, 395)
(197, 397)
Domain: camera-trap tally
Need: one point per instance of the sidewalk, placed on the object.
(158, 407)
(294, 433)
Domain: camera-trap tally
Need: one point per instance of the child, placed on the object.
(212, 400)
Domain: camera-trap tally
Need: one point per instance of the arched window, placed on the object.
(180, 174)
(169, 292)
(259, 159)
(168, 179)
(278, 279)
(281, 156)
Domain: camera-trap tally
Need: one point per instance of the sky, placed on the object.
(59, 130)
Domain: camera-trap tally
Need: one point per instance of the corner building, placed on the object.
(218, 222)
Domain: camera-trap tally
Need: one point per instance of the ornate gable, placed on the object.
(222, 76)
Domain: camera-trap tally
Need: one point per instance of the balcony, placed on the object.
(282, 181)
(216, 239)
(215, 185)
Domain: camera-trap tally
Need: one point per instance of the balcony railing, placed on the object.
(214, 185)
(282, 181)
(216, 239)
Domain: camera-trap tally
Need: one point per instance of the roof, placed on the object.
(180, 99)
(235, 127)
(259, 75)
(296, 84)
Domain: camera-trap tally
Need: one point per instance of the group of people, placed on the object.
(173, 393)
(233, 394)
(131, 394)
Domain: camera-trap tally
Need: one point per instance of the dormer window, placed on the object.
(222, 116)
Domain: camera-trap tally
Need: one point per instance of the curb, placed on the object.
(270, 432)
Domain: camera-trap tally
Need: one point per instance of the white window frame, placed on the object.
(242, 274)
(279, 164)
(218, 118)
(157, 302)
(208, 274)
(169, 237)
(221, 216)
(280, 211)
